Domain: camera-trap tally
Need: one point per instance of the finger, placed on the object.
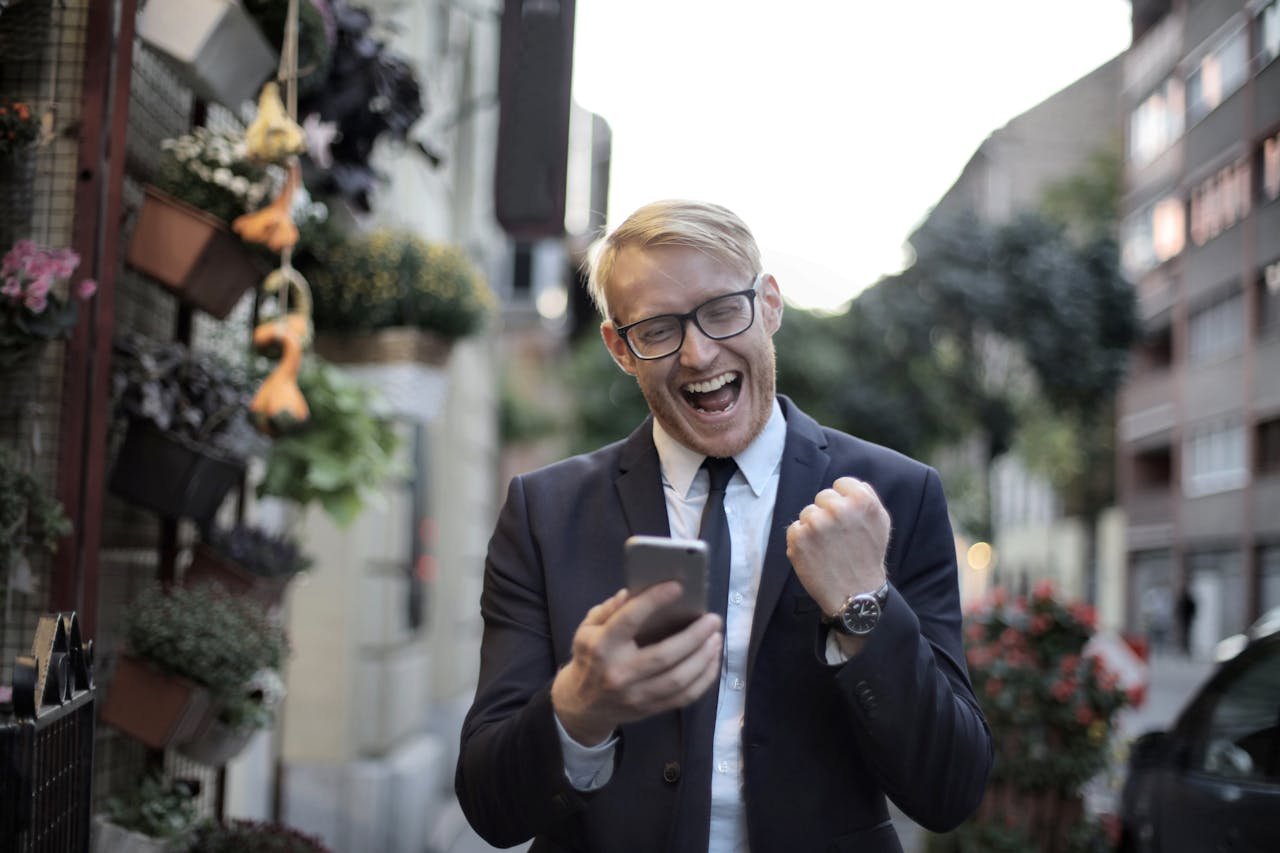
(812, 515)
(829, 499)
(686, 680)
(631, 614)
(662, 656)
(600, 614)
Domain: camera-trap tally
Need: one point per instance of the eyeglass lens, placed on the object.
(718, 319)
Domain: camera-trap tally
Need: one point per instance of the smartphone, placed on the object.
(653, 559)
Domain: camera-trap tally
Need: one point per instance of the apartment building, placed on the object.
(1199, 417)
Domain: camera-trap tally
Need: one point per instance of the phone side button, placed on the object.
(671, 772)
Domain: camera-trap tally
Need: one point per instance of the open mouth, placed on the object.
(713, 396)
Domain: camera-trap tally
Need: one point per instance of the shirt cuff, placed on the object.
(587, 768)
(834, 654)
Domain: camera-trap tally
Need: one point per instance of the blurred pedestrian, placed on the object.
(1186, 618)
(829, 671)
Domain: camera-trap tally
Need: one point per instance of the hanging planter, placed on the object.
(171, 475)
(152, 706)
(192, 253)
(210, 566)
(214, 742)
(212, 45)
(385, 346)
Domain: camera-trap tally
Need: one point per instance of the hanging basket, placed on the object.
(208, 566)
(384, 346)
(154, 707)
(171, 475)
(212, 45)
(191, 253)
(214, 743)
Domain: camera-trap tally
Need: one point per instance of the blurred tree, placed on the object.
(608, 403)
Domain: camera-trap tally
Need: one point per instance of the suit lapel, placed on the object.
(804, 469)
(639, 484)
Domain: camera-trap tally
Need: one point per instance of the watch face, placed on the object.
(861, 616)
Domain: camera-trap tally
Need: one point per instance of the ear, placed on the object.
(770, 299)
(618, 348)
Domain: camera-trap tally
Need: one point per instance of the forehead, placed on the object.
(667, 279)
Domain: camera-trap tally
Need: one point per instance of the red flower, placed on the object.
(1043, 590)
(1062, 689)
(1040, 623)
(1069, 664)
(1084, 714)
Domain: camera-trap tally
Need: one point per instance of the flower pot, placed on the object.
(171, 475)
(191, 253)
(154, 707)
(407, 366)
(109, 838)
(212, 45)
(208, 566)
(214, 742)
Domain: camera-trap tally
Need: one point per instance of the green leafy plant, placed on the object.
(30, 518)
(31, 311)
(391, 278)
(158, 807)
(209, 170)
(184, 393)
(221, 641)
(242, 836)
(259, 551)
(19, 128)
(344, 452)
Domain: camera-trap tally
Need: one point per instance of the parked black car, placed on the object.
(1212, 783)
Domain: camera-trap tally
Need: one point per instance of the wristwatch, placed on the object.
(860, 613)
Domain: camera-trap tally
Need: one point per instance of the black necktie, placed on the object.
(714, 530)
(699, 719)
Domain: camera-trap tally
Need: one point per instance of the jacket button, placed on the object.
(671, 772)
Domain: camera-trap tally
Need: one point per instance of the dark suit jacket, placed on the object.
(822, 745)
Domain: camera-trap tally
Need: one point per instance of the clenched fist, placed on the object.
(838, 543)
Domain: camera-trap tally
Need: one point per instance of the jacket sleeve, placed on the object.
(510, 778)
(915, 715)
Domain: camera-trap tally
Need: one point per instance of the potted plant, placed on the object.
(32, 313)
(247, 560)
(187, 436)
(316, 35)
(158, 816)
(243, 836)
(341, 455)
(208, 660)
(30, 518)
(1051, 706)
(391, 296)
(182, 239)
(213, 45)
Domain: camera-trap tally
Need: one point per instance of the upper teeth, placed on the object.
(709, 385)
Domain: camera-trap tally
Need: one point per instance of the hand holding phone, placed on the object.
(651, 560)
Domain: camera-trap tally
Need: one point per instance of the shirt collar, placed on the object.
(757, 463)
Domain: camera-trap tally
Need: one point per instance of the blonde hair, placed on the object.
(699, 225)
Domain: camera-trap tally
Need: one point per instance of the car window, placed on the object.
(1243, 733)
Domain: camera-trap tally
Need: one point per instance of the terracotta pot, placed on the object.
(154, 707)
(214, 742)
(207, 565)
(193, 254)
(170, 475)
(384, 346)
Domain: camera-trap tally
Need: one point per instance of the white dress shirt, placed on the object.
(748, 505)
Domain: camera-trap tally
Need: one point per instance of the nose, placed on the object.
(696, 349)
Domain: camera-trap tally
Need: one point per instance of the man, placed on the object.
(837, 675)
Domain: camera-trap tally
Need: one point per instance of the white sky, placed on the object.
(830, 126)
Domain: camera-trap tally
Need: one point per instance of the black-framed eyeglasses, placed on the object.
(720, 318)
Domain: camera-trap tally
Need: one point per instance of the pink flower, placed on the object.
(1043, 590)
(64, 262)
(12, 288)
(1062, 689)
(39, 288)
(35, 302)
(1040, 623)
(87, 288)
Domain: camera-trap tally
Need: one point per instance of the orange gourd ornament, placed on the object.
(279, 406)
(272, 226)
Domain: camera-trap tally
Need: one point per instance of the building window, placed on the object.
(1269, 300)
(1216, 331)
(1215, 460)
(1156, 123)
(1220, 201)
(1269, 447)
(1268, 28)
(1152, 236)
(1217, 75)
(1153, 469)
